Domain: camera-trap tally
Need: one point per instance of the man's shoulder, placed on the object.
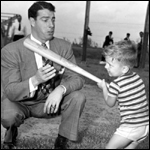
(107, 36)
(60, 46)
(61, 41)
(13, 47)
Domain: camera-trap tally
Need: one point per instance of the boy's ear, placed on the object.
(125, 69)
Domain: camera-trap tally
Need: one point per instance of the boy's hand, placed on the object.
(99, 85)
(103, 84)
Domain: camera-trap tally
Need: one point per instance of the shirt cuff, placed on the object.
(32, 89)
(63, 88)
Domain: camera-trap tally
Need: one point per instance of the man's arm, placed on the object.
(71, 81)
(15, 89)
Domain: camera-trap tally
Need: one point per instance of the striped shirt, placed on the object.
(132, 101)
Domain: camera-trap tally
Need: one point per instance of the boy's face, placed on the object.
(114, 67)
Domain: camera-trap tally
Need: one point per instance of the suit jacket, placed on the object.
(18, 65)
(107, 41)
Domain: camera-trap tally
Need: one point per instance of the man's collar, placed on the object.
(37, 41)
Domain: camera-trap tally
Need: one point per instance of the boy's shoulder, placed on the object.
(127, 77)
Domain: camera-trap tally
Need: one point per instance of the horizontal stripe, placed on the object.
(141, 123)
(134, 113)
(131, 99)
(132, 88)
(133, 103)
(130, 81)
(140, 91)
(137, 108)
(139, 118)
(138, 122)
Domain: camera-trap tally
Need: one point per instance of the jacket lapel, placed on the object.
(30, 62)
(53, 48)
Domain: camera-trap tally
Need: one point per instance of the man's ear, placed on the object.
(32, 21)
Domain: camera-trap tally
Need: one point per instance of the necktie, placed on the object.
(45, 87)
(19, 28)
(45, 60)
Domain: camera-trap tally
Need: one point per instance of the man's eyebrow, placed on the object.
(47, 17)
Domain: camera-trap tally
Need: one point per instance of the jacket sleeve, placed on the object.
(14, 88)
(71, 80)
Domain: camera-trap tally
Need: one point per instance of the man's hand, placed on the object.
(43, 74)
(53, 100)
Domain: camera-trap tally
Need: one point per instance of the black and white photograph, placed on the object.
(74, 74)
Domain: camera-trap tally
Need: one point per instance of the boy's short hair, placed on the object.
(124, 51)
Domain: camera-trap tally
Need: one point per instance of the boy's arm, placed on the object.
(110, 101)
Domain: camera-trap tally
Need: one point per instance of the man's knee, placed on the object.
(79, 97)
(75, 100)
(12, 118)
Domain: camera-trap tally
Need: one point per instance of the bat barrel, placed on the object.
(33, 46)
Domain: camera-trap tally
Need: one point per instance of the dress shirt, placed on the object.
(39, 63)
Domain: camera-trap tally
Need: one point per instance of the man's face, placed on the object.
(44, 25)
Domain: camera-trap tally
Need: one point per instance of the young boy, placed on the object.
(129, 90)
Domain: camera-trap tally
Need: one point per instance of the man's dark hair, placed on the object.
(39, 5)
(128, 34)
(110, 32)
(141, 33)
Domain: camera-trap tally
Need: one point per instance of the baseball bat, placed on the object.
(49, 54)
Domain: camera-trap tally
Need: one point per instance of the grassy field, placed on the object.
(98, 122)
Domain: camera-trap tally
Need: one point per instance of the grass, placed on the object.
(98, 122)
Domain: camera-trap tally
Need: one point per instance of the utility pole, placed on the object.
(86, 26)
(145, 40)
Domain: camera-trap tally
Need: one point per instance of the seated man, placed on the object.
(35, 89)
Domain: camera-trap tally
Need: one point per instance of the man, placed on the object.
(35, 89)
(2, 37)
(18, 29)
(139, 48)
(108, 41)
(127, 38)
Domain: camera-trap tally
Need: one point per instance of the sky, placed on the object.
(120, 17)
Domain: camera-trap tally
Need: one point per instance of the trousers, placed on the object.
(13, 115)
